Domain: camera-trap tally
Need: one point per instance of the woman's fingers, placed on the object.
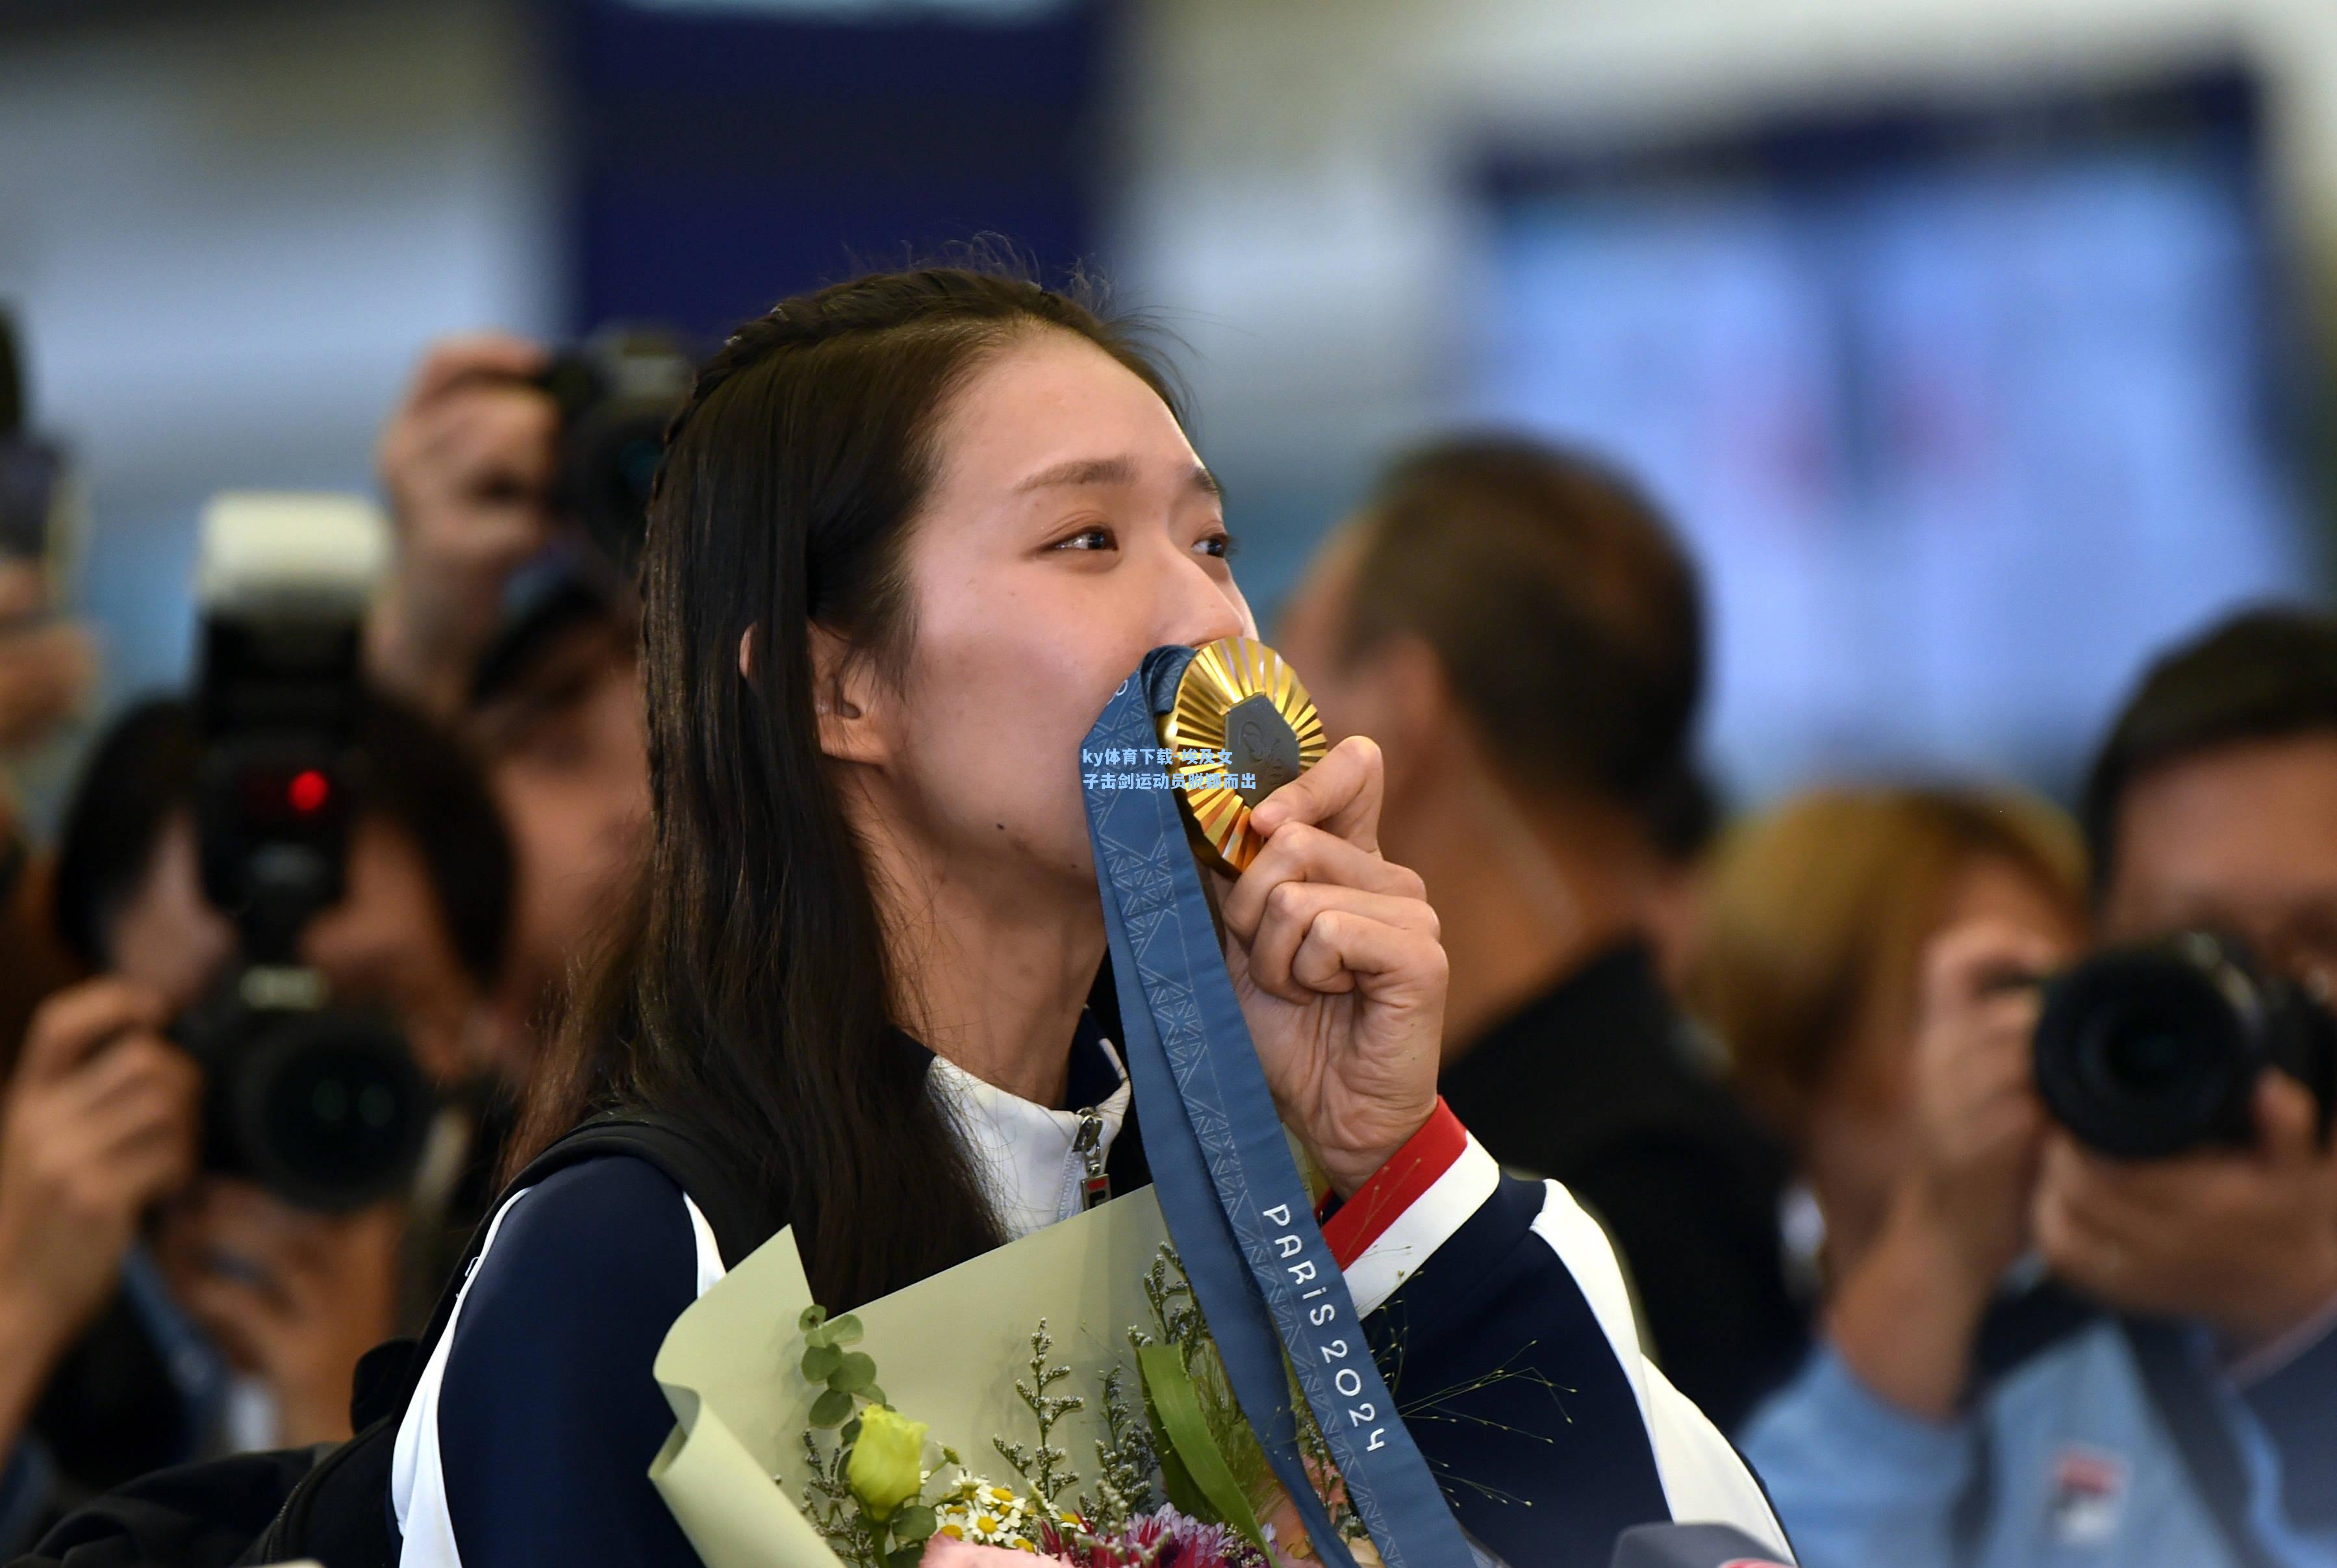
(1301, 852)
(1340, 794)
(1347, 949)
(1294, 910)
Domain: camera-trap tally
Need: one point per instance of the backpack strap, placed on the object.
(2180, 1392)
(388, 1376)
(669, 1143)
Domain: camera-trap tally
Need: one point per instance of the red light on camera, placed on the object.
(309, 791)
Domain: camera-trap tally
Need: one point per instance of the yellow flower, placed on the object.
(884, 1471)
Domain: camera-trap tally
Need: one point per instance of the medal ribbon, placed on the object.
(1229, 1190)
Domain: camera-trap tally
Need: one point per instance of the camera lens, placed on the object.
(327, 1108)
(2144, 1053)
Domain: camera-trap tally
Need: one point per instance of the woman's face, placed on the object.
(1068, 530)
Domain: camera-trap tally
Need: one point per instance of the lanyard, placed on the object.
(1244, 1227)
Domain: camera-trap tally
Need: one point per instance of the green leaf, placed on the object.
(1176, 1407)
(851, 1432)
(914, 1522)
(856, 1371)
(1176, 1485)
(905, 1556)
(876, 1396)
(833, 1409)
(845, 1330)
(820, 1362)
(811, 1319)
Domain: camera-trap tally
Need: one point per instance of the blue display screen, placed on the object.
(1965, 414)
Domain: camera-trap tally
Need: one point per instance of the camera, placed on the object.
(323, 1105)
(616, 391)
(2148, 1051)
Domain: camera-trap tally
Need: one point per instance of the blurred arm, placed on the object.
(1860, 1480)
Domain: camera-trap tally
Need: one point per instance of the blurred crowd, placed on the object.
(1788, 1059)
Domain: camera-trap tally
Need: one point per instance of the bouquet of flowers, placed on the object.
(1178, 1481)
(1123, 1448)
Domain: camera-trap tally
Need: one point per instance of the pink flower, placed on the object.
(1163, 1538)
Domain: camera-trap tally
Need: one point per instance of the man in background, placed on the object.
(1518, 630)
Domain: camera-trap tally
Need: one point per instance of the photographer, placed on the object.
(100, 1122)
(503, 616)
(2187, 1419)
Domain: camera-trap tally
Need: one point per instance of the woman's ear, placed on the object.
(847, 702)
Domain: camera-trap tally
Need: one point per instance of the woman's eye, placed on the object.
(1221, 545)
(1096, 538)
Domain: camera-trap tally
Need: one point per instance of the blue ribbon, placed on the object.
(1244, 1227)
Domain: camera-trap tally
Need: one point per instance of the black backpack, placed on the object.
(331, 1502)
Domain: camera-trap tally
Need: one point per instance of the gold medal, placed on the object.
(1241, 727)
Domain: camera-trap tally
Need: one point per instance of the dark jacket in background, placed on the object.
(1597, 1083)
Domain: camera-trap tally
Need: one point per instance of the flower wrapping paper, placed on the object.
(948, 1350)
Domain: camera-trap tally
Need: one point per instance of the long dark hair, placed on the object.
(749, 993)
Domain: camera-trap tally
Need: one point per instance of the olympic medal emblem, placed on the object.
(1242, 726)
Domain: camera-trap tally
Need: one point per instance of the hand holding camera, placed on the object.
(99, 1123)
(2242, 1238)
(498, 445)
(468, 461)
(1906, 1311)
(2155, 1118)
(1979, 1125)
(294, 1295)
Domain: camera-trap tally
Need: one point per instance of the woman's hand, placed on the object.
(1907, 1311)
(1979, 1125)
(1334, 958)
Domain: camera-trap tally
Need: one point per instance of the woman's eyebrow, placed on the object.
(1108, 471)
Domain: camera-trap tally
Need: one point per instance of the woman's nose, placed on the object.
(1201, 610)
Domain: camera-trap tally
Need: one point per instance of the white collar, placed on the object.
(1023, 1152)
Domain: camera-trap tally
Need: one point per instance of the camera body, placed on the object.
(617, 391)
(322, 1105)
(2153, 1050)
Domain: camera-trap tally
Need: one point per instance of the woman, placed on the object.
(1863, 955)
(1810, 961)
(910, 533)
